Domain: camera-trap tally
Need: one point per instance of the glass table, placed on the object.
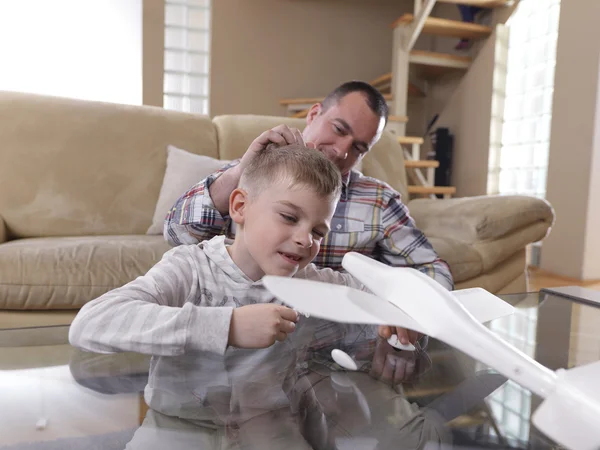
(54, 396)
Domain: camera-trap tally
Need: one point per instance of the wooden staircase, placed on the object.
(411, 71)
(446, 27)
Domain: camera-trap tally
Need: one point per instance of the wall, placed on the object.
(153, 51)
(573, 247)
(264, 50)
(88, 50)
(465, 103)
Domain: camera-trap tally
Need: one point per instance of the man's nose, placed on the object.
(343, 146)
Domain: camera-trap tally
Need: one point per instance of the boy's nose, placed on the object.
(304, 240)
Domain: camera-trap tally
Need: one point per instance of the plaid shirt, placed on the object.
(369, 219)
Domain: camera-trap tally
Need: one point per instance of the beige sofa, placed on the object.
(80, 182)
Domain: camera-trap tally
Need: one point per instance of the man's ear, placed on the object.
(313, 112)
(238, 200)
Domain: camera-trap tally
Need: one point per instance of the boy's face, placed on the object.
(280, 229)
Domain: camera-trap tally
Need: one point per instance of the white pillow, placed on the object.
(184, 169)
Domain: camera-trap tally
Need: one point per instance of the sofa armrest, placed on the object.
(473, 219)
(3, 231)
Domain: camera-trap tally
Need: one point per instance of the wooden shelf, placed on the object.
(426, 190)
(410, 140)
(480, 3)
(445, 27)
(421, 164)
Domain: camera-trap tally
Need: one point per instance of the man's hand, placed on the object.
(259, 326)
(404, 336)
(280, 135)
(221, 189)
(396, 367)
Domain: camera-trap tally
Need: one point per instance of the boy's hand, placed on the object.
(259, 326)
(404, 336)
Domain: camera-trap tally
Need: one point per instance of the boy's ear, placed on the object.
(238, 200)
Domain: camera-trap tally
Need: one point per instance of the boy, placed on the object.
(198, 308)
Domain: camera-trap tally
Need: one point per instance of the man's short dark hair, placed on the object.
(375, 100)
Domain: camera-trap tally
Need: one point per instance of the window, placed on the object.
(68, 48)
(187, 50)
(519, 160)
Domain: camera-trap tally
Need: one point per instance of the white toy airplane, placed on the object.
(407, 298)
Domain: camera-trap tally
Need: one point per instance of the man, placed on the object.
(370, 217)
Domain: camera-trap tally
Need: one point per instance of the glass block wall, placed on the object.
(519, 161)
(187, 55)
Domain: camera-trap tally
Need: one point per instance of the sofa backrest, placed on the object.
(72, 167)
(385, 161)
(76, 168)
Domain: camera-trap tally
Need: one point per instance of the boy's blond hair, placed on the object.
(300, 165)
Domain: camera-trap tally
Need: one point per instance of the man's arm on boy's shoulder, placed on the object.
(194, 217)
(155, 314)
(404, 245)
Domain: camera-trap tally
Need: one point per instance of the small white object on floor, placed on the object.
(343, 359)
(41, 424)
(394, 342)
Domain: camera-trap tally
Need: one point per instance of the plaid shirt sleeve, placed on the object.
(404, 245)
(194, 217)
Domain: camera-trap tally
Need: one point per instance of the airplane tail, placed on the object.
(570, 415)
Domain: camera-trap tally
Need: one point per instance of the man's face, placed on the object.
(345, 132)
(282, 230)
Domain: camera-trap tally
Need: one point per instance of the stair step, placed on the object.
(384, 84)
(410, 140)
(313, 100)
(399, 119)
(426, 190)
(382, 80)
(425, 58)
(480, 3)
(421, 164)
(431, 65)
(446, 27)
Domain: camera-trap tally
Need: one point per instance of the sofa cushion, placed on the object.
(384, 162)
(464, 260)
(501, 276)
(472, 259)
(78, 168)
(184, 169)
(236, 132)
(65, 273)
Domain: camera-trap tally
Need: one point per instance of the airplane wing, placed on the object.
(376, 276)
(338, 303)
(483, 305)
